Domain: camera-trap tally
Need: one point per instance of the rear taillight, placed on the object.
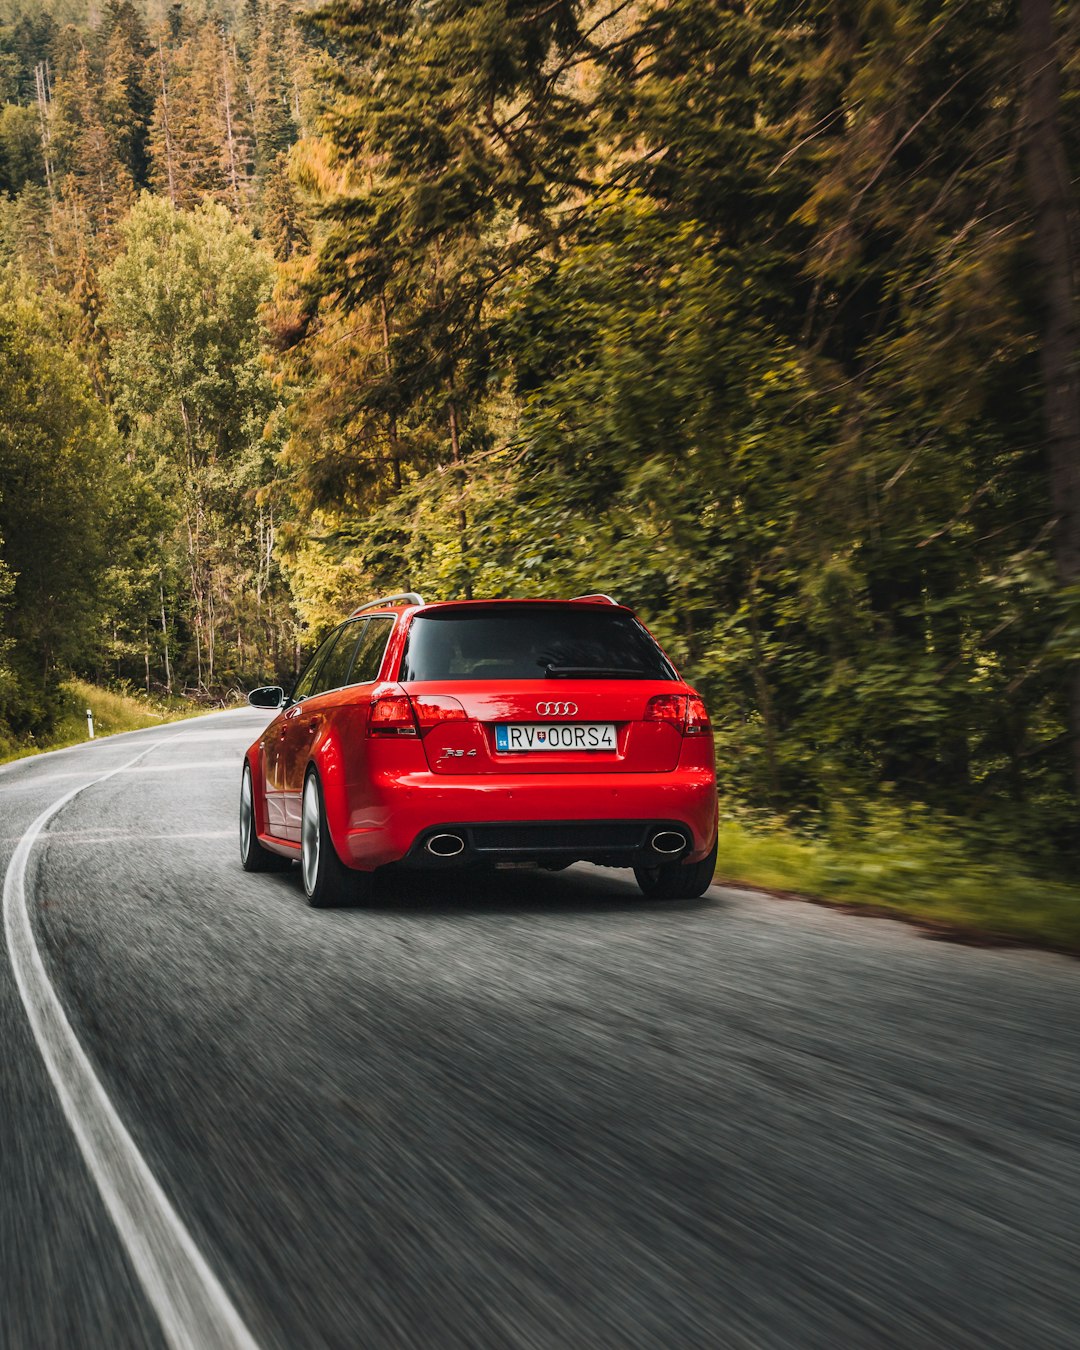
(697, 717)
(666, 708)
(400, 715)
(391, 715)
(687, 713)
(434, 709)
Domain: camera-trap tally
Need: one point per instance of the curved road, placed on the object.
(533, 1112)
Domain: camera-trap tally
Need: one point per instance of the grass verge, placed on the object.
(911, 864)
(113, 711)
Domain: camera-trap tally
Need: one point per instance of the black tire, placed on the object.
(253, 857)
(677, 881)
(328, 883)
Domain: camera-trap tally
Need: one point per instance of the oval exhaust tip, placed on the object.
(445, 845)
(668, 842)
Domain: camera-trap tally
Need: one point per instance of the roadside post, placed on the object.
(89, 724)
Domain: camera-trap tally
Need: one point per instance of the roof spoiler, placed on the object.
(402, 598)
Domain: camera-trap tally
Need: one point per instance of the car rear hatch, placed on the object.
(541, 687)
(503, 730)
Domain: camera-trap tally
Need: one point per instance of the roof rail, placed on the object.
(402, 598)
(596, 598)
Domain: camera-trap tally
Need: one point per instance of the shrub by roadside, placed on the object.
(114, 711)
(908, 861)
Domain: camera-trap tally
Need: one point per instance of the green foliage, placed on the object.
(739, 328)
(182, 313)
(20, 148)
(115, 710)
(162, 309)
(911, 862)
(61, 474)
(8, 687)
(192, 393)
(727, 310)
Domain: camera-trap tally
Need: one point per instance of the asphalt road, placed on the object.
(536, 1111)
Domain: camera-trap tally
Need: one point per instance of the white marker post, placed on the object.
(89, 724)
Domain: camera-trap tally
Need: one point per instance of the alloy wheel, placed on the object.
(247, 814)
(310, 835)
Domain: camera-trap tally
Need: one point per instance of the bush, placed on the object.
(907, 860)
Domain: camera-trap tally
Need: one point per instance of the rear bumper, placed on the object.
(611, 843)
(551, 817)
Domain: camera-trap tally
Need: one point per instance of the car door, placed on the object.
(276, 738)
(304, 721)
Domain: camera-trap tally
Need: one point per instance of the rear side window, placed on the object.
(306, 683)
(370, 653)
(532, 643)
(334, 671)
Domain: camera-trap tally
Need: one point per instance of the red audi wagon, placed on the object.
(483, 732)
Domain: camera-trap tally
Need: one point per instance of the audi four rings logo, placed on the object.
(557, 709)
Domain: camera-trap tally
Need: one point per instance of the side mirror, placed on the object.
(269, 696)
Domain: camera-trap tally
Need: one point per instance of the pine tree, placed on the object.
(268, 95)
(429, 150)
(200, 140)
(283, 223)
(128, 96)
(185, 147)
(92, 344)
(20, 148)
(90, 156)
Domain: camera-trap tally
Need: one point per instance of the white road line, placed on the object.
(117, 836)
(243, 734)
(224, 765)
(258, 722)
(168, 766)
(194, 1310)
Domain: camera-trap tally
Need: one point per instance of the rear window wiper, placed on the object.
(561, 672)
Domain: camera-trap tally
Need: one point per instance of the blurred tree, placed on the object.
(20, 148)
(1055, 239)
(8, 686)
(268, 89)
(61, 474)
(284, 222)
(192, 393)
(742, 295)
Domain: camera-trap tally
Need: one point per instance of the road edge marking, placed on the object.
(108, 738)
(191, 1304)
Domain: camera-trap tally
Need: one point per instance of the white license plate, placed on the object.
(521, 737)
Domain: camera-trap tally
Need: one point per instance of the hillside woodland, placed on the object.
(760, 316)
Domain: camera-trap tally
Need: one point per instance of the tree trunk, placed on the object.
(1053, 215)
(395, 448)
(230, 140)
(42, 94)
(459, 475)
(166, 128)
(211, 627)
(761, 689)
(165, 640)
(194, 569)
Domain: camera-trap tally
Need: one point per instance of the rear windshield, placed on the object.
(534, 643)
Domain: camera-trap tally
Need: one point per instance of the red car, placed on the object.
(507, 732)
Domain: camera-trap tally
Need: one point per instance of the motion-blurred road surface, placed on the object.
(529, 1111)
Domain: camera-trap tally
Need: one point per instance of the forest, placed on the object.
(761, 316)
